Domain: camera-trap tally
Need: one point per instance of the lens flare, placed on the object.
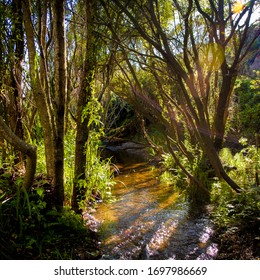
(238, 7)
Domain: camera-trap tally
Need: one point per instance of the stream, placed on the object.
(148, 220)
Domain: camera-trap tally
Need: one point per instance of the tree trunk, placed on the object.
(60, 86)
(216, 163)
(223, 105)
(85, 94)
(16, 74)
(50, 108)
(28, 150)
(39, 93)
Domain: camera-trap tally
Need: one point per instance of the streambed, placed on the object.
(149, 220)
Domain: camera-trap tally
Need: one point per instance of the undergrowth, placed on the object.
(230, 208)
(237, 215)
(234, 208)
(31, 229)
(97, 185)
(173, 174)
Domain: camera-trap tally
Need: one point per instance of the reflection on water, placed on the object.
(149, 220)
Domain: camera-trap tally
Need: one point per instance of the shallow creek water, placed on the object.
(148, 220)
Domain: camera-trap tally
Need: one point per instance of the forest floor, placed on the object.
(238, 244)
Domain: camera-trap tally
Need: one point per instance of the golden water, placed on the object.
(149, 220)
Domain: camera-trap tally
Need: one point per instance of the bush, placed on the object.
(234, 209)
(238, 208)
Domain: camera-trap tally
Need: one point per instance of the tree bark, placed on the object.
(25, 148)
(216, 163)
(60, 86)
(223, 105)
(16, 73)
(51, 108)
(39, 93)
(85, 94)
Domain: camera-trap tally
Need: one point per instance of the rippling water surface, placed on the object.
(148, 220)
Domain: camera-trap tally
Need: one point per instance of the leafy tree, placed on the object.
(194, 51)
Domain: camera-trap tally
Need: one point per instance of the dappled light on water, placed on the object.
(149, 220)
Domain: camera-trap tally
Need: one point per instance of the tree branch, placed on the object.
(25, 148)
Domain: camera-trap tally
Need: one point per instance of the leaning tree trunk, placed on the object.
(25, 148)
(216, 163)
(223, 105)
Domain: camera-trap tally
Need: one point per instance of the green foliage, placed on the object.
(173, 172)
(8, 185)
(221, 195)
(30, 230)
(69, 159)
(41, 160)
(92, 113)
(197, 165)
(98, 173)
(69, 162)
(119, 114)
(98, 183)
(247, 118)
(236, 209)
(197, 195)
(243, 165)
(232, 209)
